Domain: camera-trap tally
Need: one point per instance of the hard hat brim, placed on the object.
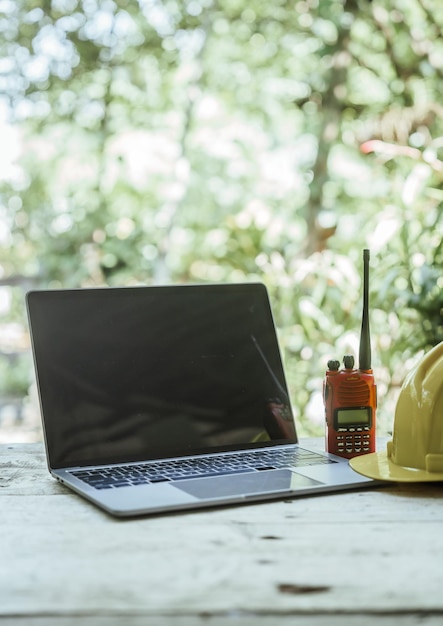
(380, 467)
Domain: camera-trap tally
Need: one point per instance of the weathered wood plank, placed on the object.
(318, 557)
(230, 619)
(23, 471)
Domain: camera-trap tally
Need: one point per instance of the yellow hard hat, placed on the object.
(415, 453)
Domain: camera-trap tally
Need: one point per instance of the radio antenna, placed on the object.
(365, 337)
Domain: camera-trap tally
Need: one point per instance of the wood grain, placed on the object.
(347, 558)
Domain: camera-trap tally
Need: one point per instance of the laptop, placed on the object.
(166, 398)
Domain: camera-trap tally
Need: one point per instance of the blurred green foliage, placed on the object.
(151, 141)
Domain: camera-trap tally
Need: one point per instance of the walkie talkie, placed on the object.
(350, 395)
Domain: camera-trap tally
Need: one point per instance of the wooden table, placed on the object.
(353, 558)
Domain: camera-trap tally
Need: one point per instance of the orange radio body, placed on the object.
(350, 399)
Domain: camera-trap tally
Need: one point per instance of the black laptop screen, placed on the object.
(148, 372)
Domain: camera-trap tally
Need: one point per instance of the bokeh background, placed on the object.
(159, 141)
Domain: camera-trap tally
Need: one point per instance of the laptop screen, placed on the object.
(135, 373)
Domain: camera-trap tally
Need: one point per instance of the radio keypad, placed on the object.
(354, 440)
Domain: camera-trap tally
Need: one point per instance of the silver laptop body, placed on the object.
(164, 398)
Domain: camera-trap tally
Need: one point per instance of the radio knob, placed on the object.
(333, 365)
(348, 361)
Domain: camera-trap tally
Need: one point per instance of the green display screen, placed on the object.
(346, 417)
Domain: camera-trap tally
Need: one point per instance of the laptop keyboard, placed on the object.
(198, 467)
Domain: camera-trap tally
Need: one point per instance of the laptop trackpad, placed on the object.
(245, 484)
